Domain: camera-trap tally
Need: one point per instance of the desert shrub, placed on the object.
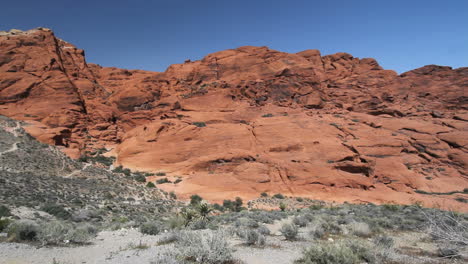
(384, 241)
(218, 207)
(252, 237)
(151, 228)
(209, 248)
(448, 252)
(282, 207)
(150, 185)
(119, 169)
(238, 204)
(360, 229)
(263, 230)
(199, 224)
(267, 115)
(228, 204)
(199, 124)
(316, 207)
(289, 231)
(166, 257)
(160, 173)
(53, 233)
(176, 222)
(168, 238)
(300, 221)
(391, 207)
(177, 180)
(299, 199)
(4, 224)
(82, 233)
(331, 227)
(22, 230)
(235, 206)
(329, 253)
(4, 211)
(56, 210)
(264, 194)
(195, 199)
(317, 231)
(278, 196)
(162, 181)
(246, 222)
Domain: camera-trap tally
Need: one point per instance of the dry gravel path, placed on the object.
(118, 247)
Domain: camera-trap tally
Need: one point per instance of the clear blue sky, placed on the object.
(151, 35)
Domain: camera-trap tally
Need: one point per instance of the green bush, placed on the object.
(150, 228)
(282, 207)
(199, 124)
(207, 248)
(300, 221)
(252, 237)
(150, 185)
(162, 181)
(82, 233)
(22, 230)
(289, 231)
(195, 199)
(120, 169)
(53, 233)
(139, 178)
(267, 115)
(4, 211)
(278, 196)
(360, 229)
(56, 210)
(4, 224)
(328, 253)
(264, 194)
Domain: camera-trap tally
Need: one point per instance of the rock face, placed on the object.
(249, 120)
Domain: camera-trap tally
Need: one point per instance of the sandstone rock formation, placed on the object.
(249, 120)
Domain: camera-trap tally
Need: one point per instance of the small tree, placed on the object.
(238, 204)
(228, 204)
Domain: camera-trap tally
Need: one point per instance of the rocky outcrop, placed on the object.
(249, 120)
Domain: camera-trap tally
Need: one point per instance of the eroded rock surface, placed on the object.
(249, 120)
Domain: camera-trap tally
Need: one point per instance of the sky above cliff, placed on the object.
(151, 35)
